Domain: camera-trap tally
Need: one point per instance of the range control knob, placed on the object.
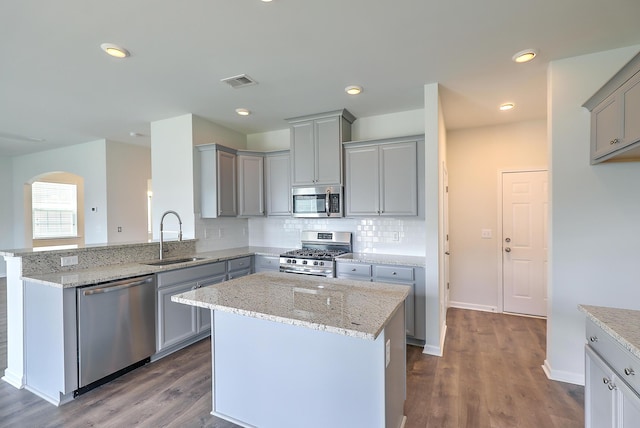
(304, 262)
(294, 261)
(288, 260)
(321, 263)
(315, 263)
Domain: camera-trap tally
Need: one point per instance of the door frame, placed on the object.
(499, 234)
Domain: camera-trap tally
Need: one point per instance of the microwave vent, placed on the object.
(239, 81)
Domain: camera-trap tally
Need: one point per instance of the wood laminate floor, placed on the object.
(489, 376)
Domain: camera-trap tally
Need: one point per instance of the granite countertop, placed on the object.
(351, 308)
(622, 324)
(78, 278)
(387, 259)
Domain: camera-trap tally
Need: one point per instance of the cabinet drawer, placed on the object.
(393, 273)
(190, 274)
(354, 269)
(267, 262)
(237, 264)
(625, 364)
(239, 273)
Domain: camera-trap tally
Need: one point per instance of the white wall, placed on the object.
(128, 169)
(269, 141)
(398, 124)
(595, 231)
(435, 158)
(475, 157)
(6, 214)
(87, 160)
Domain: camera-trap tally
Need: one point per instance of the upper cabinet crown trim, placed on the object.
(346, 114)
(417, 138)
(626, 72)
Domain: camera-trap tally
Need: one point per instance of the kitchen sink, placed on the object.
(173, 261)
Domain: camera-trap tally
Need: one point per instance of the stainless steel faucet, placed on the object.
(162, 227)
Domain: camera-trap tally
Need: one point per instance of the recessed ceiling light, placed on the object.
(135, 134)
(243, 112)
(115, 50)
(267, 1)
(353, 89)
(507, 106)
(525, 55)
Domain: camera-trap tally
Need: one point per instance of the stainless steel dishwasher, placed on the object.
(116, 328)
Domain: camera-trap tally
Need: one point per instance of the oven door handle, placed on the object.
(316, 272)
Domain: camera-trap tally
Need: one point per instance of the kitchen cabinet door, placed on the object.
(630, 102)
(605, 127)
(203, 321)
(278, 184)
(217, 181)
(177, 322)
(398, 179)
(226, 184)
(303, 149)
(362, 181)
(267, 263)
(250, 185)
(328, 151)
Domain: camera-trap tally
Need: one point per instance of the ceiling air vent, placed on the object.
(239, 81)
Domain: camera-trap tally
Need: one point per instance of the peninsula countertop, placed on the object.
(99, 274)
(350, 308)
(622, 324)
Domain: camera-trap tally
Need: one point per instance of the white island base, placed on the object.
(270, 374)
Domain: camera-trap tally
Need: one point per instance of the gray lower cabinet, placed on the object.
(239, 267)
(179, 325)
(412, 277)
(382, 177)
(611, 386)
(266, 263)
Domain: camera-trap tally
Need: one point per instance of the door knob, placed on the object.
(447, 253)
(507, 240)
(508, 250)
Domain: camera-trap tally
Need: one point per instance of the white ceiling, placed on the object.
(56, 84)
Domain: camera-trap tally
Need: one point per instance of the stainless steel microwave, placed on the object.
(317, 202)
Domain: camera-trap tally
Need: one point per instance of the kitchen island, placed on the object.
(295, 350)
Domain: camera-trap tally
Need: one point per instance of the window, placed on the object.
(54, 210)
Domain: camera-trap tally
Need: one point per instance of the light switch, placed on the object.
(486, 234)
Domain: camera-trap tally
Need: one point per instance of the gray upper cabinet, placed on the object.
(250, 184)
(382, 178)
(278, 183)
(217, 181)
(615, 109)
(316, 152)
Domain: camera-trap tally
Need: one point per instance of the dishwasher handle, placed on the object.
(118, 286)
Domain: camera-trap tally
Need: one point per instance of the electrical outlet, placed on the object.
(221, 233)
(68, 261)
(396, 236)
(388, 352)
(119, 228)
(486, 234)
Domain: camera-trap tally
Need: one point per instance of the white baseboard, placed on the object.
(13, 379)
(472, 306)
(436, 350)
(562, 376)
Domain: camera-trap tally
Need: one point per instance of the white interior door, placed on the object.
(445, 221)
(524, 242)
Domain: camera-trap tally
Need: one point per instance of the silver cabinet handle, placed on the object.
(629, 371)
(593, 339)
(614, 141)
(353, 270)
(507, 250)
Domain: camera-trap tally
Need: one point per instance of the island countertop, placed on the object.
(351, 308)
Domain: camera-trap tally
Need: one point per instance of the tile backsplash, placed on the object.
(370, 235)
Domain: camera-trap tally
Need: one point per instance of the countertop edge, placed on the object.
(589, 310)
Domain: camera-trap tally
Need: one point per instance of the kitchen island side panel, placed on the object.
(270, 374)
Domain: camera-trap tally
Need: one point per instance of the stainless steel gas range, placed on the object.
(318, 253)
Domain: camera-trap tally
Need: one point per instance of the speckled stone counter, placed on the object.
(383, 259)
(351, 308)
(112, 272)
(622, 324)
